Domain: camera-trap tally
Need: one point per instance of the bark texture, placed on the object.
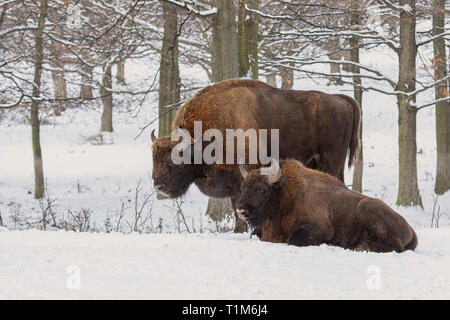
(248, 39)
(442, 183)
(120, 75)
(287, 78)
(357, 94)
(39, 188)
(225, 66)
(169, 76)
(107, 100)
(224, 47)
(86, 78)
(408, 189)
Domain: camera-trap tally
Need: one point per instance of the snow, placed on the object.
(67, 265)
(204, 263)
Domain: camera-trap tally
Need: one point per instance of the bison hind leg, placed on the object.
(376, 246)
(333, 163)
(413, 243)
(382, 232)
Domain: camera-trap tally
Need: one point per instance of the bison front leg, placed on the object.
(308, 234)
(240, 226)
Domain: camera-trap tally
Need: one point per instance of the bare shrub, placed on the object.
(435, 215)
(142, 211)
(48, 212)
(79, 221)
(180, 219)
(115, 224)
(18, 218)
(224, 225)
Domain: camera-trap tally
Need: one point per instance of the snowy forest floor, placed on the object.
(189, 259)
(68, 265)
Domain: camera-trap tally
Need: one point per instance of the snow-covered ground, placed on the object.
(67, 265)
(203, 263)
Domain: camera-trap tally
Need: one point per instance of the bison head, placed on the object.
(170, 179)
(260, 193)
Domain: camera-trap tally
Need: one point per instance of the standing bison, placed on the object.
(315, 128)
(305, 207)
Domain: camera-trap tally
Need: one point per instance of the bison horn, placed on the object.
(153, 135)
(275, 172)
(244, 172)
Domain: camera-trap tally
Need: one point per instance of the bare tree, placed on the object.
(106, 127)
(354, 41)
(39, 187)
(247, 38)
(408, 189)
(120, 75)
(169, 74)
(442, 183)
(397, 31)
(225, 66)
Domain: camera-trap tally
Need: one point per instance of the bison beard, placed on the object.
(305, 207)
(315, 128)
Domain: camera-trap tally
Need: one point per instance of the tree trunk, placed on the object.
(3, 13)
(442, 183)
(86, 78)
(106, 128)
(271, 80)
(287, 78)
(408, 190)
(218, 208)
(57, 64)
(120, 75)
(347, 55)
(60, 90)
(248, 40)
(357, 94)
(169, 76)
(225, 66)
(39, 187)
(224, 48)
(333, 48)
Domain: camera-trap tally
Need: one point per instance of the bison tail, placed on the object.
(355, 141)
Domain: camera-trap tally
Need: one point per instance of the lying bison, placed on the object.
(315, 128)
(304, 207)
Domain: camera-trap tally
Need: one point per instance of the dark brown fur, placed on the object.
(315, 128)
(306, 207)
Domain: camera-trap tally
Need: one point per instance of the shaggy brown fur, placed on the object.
(312, 124)
(307, 207)
(315, 128)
